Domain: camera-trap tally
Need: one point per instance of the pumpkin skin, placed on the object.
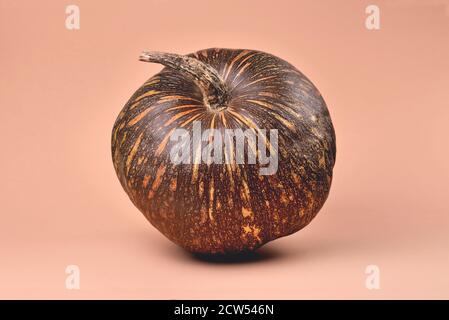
(222, 208)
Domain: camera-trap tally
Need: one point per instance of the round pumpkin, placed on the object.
(228, 207)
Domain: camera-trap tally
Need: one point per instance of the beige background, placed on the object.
(62, 204)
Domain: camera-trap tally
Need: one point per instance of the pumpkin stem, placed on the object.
(213, 88)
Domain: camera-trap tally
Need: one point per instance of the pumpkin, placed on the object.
(210, 207)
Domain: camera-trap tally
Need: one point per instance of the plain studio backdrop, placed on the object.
(61, 202)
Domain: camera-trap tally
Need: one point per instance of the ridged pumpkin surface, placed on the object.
(223, 208)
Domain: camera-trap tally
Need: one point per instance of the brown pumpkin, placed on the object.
(225, 207)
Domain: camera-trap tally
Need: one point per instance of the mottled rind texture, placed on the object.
(221, 208)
